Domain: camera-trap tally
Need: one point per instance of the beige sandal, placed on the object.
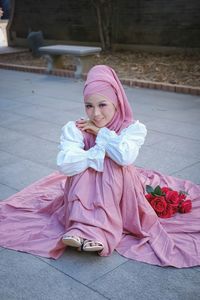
(72, 241)
(92, 246)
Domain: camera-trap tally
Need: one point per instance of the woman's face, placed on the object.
(99, 110)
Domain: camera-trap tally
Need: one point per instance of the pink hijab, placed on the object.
(103, 80)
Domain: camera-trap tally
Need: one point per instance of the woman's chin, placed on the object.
(99, 124)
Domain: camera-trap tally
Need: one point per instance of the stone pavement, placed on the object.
(33, 108)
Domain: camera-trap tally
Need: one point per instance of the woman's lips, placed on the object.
(98, 120)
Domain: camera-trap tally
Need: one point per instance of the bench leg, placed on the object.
(49, 61)
(53, 61)
(78, 71)
(83, 65)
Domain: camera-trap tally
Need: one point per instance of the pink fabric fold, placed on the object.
(108, 206)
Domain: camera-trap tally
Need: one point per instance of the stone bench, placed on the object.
(80, 54)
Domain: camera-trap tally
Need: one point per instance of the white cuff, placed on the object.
(104, 136)
(96, 157)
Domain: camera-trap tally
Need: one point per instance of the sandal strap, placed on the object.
(97, 244)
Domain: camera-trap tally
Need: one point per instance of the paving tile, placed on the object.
(7, 159)
(164, 99)
(86, 267)
(61, 88)
(191, 173)
(182, 129)
(19, 175)
(189, 115)
(46, 114)
(6, 191)
(143, 118)
(154, 138)
(162, 161)
(7, 104)
(197, 269)
(7, 117)
(37, 128)
(139, 281)
(182, 109)
(24, 276)
(178, 145)
(12, 93)
(13, 76)
(29, 147)
(9, 135)
(52, 102)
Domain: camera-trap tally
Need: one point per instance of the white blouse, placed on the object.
(72, 159)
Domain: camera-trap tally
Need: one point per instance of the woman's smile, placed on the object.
(97, 120)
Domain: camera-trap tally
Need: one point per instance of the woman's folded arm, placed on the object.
(72, 159)
(123, 148)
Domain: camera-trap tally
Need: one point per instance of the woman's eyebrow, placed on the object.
(102, 101)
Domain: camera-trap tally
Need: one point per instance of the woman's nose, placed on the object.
(96, 111)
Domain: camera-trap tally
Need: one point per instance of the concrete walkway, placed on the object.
(33, 108)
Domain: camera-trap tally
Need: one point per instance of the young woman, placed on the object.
(101, 205)
(97, 154)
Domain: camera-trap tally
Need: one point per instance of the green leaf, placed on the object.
(149, 189)
(158, 191)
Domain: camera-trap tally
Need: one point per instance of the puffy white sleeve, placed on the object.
(123, 148)
(72, 159)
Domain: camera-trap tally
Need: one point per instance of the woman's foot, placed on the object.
(92, 246)
(72, 241)
(82, 244)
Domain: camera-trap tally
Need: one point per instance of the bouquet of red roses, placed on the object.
(166, 202)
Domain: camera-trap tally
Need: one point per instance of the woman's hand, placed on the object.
(87, 125)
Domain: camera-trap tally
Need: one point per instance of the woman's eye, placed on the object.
(88, 106)
(102, 105)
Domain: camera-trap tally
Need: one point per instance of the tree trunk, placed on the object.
(100, 26)
(104, 19)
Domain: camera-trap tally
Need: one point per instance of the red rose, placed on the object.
(167, 213)
(149, 197)
(165, 189)
(159, 204)
(182, 196)
(172, 197)
(185, 206)
(166, 202)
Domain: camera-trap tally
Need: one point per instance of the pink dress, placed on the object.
(35, 219)
(108, 206)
